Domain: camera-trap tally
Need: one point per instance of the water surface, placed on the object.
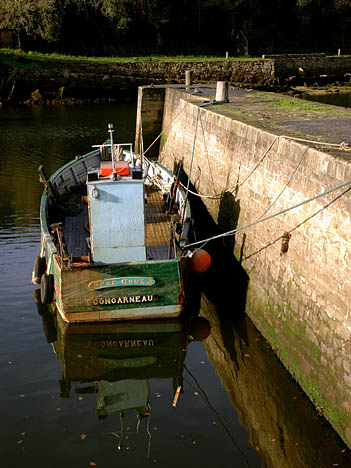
(335, 99)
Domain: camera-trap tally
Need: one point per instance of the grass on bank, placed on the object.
(20, 58)
(299, 105)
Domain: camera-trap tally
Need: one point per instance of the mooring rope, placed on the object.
(217, 414)
(193, 149)
(297, 226)
(342, 146)
(261, 220)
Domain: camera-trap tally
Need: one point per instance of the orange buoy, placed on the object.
(200, 261)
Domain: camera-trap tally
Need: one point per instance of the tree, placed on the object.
(41, 18)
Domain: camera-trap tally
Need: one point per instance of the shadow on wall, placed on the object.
(226, 282)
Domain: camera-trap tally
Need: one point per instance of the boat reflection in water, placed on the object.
(117, 361)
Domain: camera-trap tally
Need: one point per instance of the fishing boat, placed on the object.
(114, 226)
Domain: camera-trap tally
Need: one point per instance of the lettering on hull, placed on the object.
(122, 282)
(123, 300)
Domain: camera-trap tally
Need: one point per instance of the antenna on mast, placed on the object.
(111, 131)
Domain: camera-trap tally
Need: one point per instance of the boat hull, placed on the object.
(121, 291)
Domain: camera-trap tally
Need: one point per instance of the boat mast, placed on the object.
(111, 131)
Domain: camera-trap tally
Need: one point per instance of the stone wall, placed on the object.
(116, 80)
(149, 120)
(311, 66)
(122, 79)
(299, 300)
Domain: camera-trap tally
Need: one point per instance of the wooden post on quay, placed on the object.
(188, 78)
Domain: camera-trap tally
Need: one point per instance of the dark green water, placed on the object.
(215, 423)
(335, 99)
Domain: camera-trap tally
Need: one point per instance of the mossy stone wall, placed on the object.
(299, 299)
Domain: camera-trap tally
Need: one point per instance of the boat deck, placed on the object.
(158, 224)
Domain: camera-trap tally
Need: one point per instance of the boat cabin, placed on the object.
(115, 195)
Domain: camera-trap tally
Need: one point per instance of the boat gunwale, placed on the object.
(71, 163)
(46, 237)
(109, 265)
(181, 190)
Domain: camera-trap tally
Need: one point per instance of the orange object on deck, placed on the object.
(106, 169)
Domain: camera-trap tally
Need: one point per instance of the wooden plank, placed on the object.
(158, 225)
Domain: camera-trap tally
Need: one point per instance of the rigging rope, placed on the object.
(342, 146)
(286, 185)
(261, 220)
(298, 225)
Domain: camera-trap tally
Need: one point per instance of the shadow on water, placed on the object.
(282, 424)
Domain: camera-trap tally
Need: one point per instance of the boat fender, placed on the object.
(46, 288)
(199, 261)
(38, 269)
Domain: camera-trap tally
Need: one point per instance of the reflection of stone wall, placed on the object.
(298, 300)
(279, 419)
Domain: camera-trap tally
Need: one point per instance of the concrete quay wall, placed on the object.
(299, 300)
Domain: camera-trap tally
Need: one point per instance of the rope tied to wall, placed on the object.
(261, 220)
(342, 146)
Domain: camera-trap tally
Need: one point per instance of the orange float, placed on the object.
(200, 261)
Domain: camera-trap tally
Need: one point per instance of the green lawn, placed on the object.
(25, 59)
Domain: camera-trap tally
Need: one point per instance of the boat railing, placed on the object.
(117, 151)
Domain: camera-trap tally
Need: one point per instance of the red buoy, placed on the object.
(200, 261)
